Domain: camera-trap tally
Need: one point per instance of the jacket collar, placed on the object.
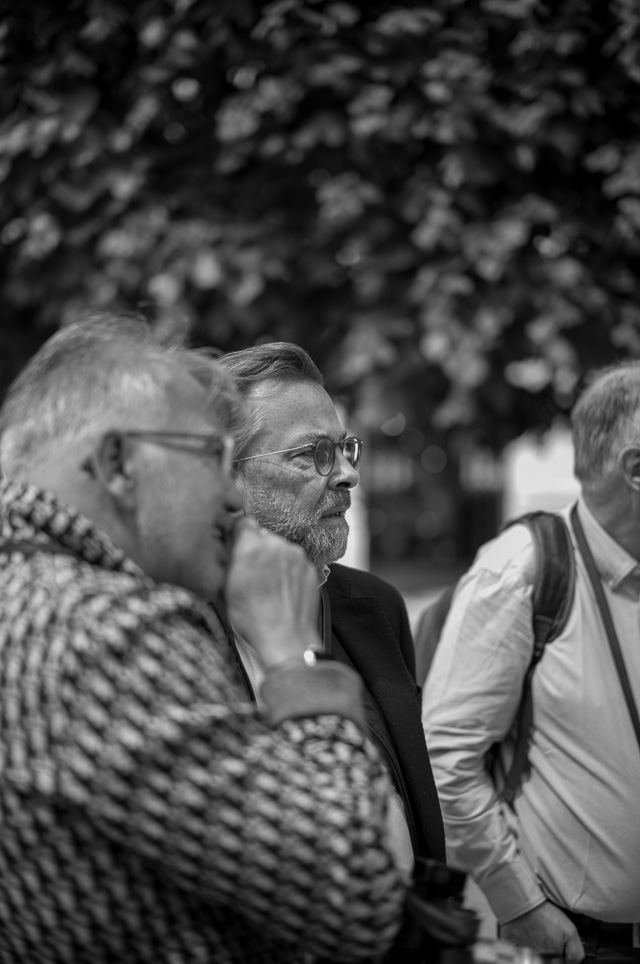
(29, 514)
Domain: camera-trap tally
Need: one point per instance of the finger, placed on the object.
(574, 949)
(245, 526)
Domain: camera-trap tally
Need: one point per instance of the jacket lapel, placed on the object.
(363, 629)
(360, 623)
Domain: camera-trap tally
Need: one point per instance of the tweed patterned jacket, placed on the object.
(148, 813)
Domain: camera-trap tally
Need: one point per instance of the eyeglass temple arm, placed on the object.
(262, 455)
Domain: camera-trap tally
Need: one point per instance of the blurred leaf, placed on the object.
(605, 158)
(413, 22)
(630, 207)
(627, 179)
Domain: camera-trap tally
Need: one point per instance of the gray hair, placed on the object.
(259, 371)
(106, 367)
(605, 418)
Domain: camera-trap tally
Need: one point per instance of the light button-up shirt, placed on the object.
(575, 834)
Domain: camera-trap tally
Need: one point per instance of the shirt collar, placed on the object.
(323, 575)
(613, 563)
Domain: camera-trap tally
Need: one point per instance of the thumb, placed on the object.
(573, 948)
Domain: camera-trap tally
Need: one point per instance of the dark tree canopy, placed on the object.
(440, 200)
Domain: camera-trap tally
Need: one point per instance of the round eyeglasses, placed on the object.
(324, 453)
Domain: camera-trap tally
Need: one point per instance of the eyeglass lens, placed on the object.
(325, 453)
(351, 450)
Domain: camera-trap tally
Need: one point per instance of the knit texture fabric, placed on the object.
(148, 814)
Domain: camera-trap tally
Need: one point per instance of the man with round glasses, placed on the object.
(324, 531)
(297, 466)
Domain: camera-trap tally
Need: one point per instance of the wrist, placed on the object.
(287, 646)
(309, 657)
(298, 690)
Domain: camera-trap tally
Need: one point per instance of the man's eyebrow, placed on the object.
(309, 438)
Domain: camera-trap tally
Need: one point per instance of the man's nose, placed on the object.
(343, 475)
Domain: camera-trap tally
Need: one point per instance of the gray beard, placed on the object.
(323, 545)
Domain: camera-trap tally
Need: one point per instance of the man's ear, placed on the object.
(113, 467)
(630, 465)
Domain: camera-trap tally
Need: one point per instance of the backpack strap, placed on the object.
(429, 629)
(555, 578)
(607, 620)
(552, 598)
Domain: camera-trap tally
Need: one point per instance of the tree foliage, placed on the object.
(440, 200)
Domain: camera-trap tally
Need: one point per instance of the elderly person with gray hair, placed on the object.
(561, 869)
(150, 812)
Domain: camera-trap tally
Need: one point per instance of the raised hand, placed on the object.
(272, 594)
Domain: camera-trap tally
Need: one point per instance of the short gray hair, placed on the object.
(605, 418)
(258, 372)
(107, 366)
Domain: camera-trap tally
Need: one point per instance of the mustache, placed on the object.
(334, 502)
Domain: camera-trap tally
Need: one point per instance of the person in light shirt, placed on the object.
(561, 870)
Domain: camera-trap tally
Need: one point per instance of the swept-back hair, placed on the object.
(258, 372)
(104, 371)
(605, 418)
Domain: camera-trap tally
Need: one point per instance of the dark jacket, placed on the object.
(369, 617)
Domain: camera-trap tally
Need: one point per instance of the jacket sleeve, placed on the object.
(471, 698)
(285, 811)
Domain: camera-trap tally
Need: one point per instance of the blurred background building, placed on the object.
(420, 514)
